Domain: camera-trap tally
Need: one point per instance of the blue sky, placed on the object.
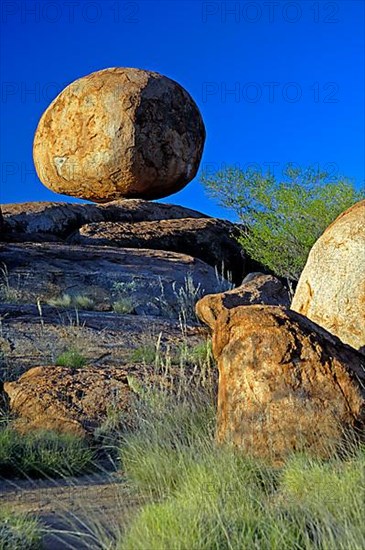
(276, 82)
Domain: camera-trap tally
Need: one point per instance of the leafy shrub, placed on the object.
(42, 454)
(281, 219)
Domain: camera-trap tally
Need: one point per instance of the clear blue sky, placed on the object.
(276, 82)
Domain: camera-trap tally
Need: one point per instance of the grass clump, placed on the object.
(61, 301)
(124, 306)
(43, 454)
(72, 359)
(203, 496)
(8, 292)
(157, 455)
(79, 301)
(19, 531)
(144, 354)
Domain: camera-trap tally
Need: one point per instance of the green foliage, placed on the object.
(83, 302)
(43, 454)
(72, 359)
(144, 354)
(19, 531)
(208, 497)
(281, 219)
(127, 295)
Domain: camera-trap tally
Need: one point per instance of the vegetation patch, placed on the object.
(281, 220)
(19, 531)
(43, 454)
(72, 359)
(79, 301)
(203, 496)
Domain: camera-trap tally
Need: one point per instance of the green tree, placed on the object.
(281, 220)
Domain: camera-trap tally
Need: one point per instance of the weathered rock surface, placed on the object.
(148, 279)
(67, 400)
(257, 288)
(285, 384)
(42, 221)
(331, 288)
(119, 132)
(105, 339)
(211, 240)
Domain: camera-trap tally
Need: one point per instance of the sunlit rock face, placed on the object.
(331, 288)
(119, 133)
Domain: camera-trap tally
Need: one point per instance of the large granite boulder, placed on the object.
(68, 400)
(257, 288)
(331, 288)
(119, 132)
(285, 384)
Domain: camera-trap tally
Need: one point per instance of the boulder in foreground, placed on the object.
(285, 384)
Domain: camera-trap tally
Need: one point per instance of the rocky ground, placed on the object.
(73, 510)
(91, 278)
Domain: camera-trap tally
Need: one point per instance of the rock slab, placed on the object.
(211, 240)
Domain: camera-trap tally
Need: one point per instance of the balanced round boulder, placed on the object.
(119, 133)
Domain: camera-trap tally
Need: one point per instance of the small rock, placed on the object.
(67, 400)
(257, 288)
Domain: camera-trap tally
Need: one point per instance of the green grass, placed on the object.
(200, 496)
(124, 306)
(61, 301)
(43, 454)
(79, 301)
(83, 302)
(19, 531)
(144, 354)
(72, 359)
